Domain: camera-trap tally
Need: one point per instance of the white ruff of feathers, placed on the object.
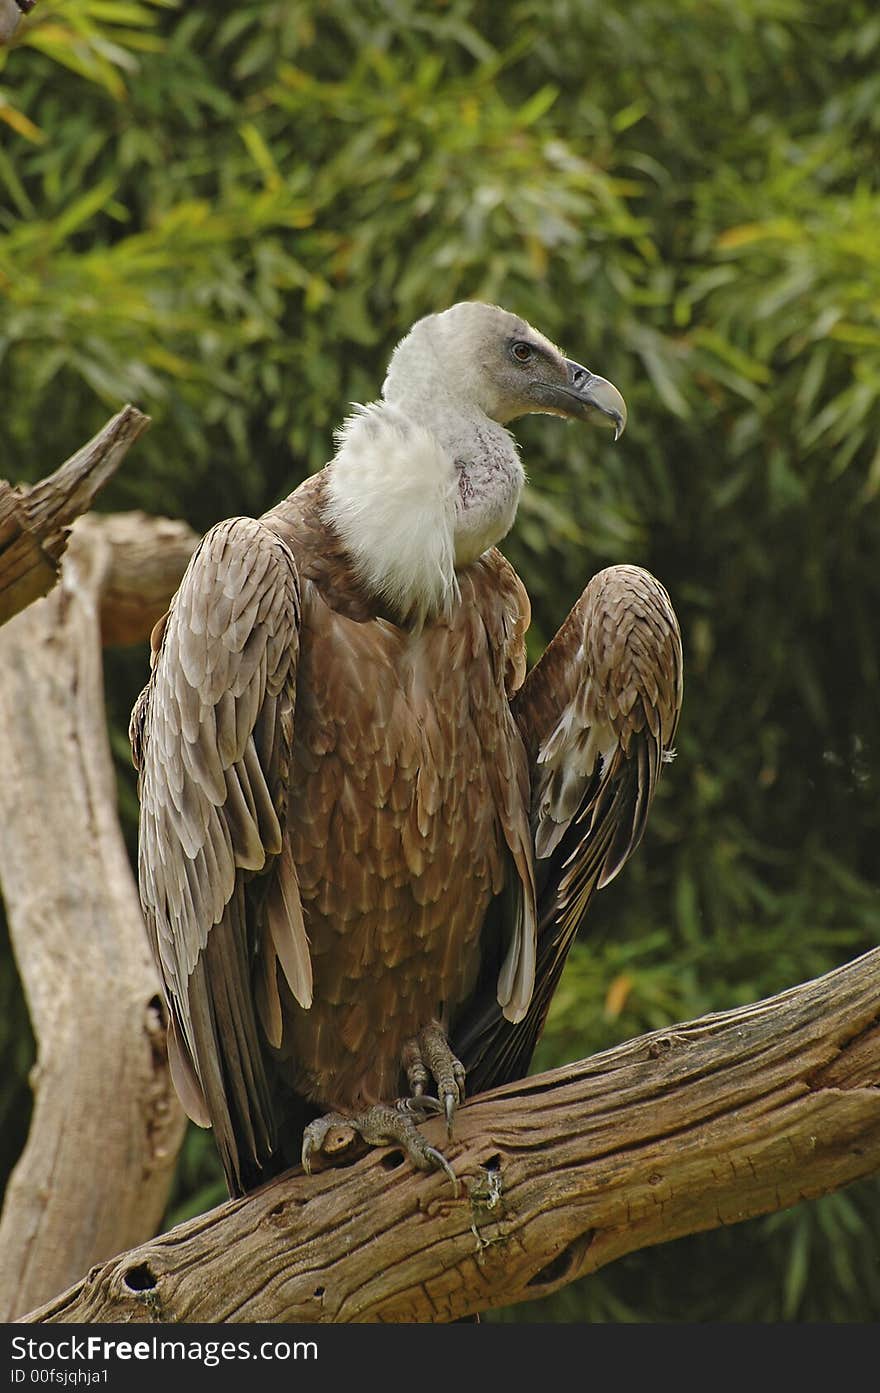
(392, 494)
(423, 482)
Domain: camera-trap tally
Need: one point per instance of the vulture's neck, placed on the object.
(416, 492)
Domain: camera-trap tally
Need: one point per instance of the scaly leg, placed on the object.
(381, 1125)
(427, 1057)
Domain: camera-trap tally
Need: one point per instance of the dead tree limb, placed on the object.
(11, 12)
(95, 1172)
(148, 557)
(35, 519)
(731, 1116)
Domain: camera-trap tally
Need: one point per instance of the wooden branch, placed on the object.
(106, 1128)
(146, 558)
(686, 1129)
(35, 521)
(11, 12)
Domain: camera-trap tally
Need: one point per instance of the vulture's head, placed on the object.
(484, 357)
(428, 479)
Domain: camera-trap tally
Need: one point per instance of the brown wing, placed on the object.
(506, 613)
(598, 715)
(211, 736)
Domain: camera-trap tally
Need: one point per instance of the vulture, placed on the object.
(367, 836)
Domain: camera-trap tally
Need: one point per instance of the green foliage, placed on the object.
(229, 218)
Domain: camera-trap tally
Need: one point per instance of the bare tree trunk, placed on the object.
(95, 1173)
(35, 519)
(705, 1124)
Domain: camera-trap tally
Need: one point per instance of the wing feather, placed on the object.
(506, 612)
(212, 735)
(598, 715)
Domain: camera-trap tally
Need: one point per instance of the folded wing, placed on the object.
(598, 715)
(211, 737)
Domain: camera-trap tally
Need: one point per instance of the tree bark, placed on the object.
(95, 1173)
(35, 520)
(728, 1117)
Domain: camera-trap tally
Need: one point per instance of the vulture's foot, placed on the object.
(385, 1124)
(428, 1056)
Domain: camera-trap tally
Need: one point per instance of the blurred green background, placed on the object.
(228, 215)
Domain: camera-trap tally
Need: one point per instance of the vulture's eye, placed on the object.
(522, 352)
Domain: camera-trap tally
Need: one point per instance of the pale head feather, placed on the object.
(428, 478)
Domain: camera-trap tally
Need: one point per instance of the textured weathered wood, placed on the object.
(96, 1169)
(35, 520)
(686, 1129)
(147, 559)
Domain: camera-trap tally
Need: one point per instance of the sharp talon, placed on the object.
(441, 1162)
(316, 1135)
(422, 1104)
(450, 1114)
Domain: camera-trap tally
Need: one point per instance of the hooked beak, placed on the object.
(586, 397)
